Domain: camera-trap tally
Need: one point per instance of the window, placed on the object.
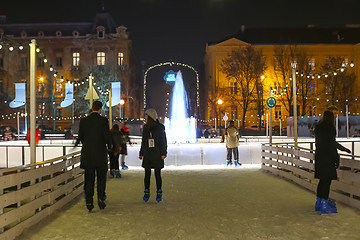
(58, 85)
(234, 112)
(277, 112)
(233, 88)
(41, 84)
(76, 59)
(1, 62)
(312, 64)
(59, 61)
(100, 58)
(100, 32)
(312, 87)
(23, 63)
(41, 62)
(312, 111)
(1, 86)
(120, 59)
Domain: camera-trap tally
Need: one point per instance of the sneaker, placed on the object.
(228, 163)
(112, 173)
(159, 195)
(146, 195)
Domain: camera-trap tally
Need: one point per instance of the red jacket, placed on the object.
(38, 136)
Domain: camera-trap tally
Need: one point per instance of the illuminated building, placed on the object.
(320, 44)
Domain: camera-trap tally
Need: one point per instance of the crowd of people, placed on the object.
(99, 143)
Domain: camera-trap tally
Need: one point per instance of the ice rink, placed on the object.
(208, 202)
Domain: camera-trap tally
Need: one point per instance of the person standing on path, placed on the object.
(125, 132)
(153, 152)
(95, 137)
(117, 138)
(232, 144)
(326, 161)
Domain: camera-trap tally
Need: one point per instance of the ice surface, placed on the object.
(207, 202)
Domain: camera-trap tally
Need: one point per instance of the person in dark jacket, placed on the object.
(326, 161)
(153, 152)
(117, 139)
(95, 138)
(126, 139)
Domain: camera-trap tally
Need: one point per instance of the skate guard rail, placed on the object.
(32, 192)
(297, 164)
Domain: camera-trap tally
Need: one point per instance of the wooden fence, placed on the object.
(297, 165)
(32, 192)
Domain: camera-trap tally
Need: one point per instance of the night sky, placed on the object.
(164, 30)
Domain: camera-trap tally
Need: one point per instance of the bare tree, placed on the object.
(244, 66)
(339, 85)
(284, 55)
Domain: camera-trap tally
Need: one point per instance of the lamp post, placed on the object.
(219, 102)
(293, 68)
(32, 102)
(122, 102)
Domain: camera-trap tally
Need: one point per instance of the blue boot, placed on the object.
(237, 163)
(159, 195)
(228, 163)
(117, 174)
(146, 195)
(325, 208)
(318, 205)
(123, 166)
(112, 173)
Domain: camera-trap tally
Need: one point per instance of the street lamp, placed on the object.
(219, 102)
(122, 102)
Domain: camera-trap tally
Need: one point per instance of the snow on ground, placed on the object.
(201, 203)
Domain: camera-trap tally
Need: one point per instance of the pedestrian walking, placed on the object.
(95, 138)
(117, 139)
(153, 152)
(126, 139)
(232, 144)
(326, 161)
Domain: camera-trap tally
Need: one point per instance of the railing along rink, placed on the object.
(297, 165)
(32, 192)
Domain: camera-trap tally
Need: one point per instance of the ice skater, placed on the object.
(153, 152)
(232, 143)
(95, 137)
(326, 161)
(117, 139)
(126, 139)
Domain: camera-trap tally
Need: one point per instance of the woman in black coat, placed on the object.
(153, 152)
(117, 139)
(326, 161)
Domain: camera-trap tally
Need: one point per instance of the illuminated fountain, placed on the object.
(180, 128)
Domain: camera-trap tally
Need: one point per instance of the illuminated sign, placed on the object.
(170, 77)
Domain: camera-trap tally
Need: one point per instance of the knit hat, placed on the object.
(152, 113)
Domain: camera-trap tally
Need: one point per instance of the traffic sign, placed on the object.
(271, 102)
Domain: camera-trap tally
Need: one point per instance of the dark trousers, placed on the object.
(90, 182)
(235, 151)
(157, 177)
(323, 188)
(114, 161)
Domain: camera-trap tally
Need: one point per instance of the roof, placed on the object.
(32, 29)
(312, 35)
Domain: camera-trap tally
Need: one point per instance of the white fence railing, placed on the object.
(297, 164)
(32, 192)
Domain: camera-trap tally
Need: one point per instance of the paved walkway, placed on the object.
(242, 203)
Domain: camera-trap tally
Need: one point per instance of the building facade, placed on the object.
(68, 52)
(319, 46)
